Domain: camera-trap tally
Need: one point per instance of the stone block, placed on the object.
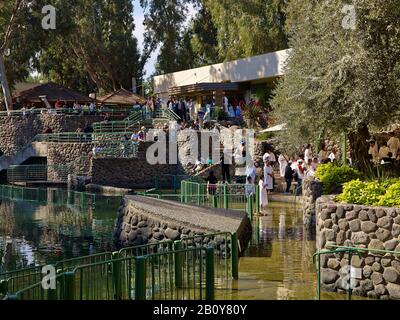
(385, 222)
(355, 225)
(391, 275)
(368, 226)
(383, 234)
(394, 290)
(351, 215)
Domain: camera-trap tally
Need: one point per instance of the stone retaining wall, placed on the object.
(76, 157)
(312, 190)
(143, 220)
(376, 275)
(18, 131)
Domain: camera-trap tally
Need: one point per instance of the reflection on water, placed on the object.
(33, 233)
(278, 263)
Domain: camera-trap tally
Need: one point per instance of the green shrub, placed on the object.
(333, 177)
(266, 136)
(376, 193)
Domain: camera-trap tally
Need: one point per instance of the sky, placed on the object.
(139, 31)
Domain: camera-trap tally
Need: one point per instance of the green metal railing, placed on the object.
(51, 196)
(38, 173)
(227, 196)
(169, 182)
(130, 123)
(66, 111)
(350, 251)
(167, 262)
(170, 275)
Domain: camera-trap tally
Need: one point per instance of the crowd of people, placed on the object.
(387, 153)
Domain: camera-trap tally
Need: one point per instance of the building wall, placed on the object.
(270, 65)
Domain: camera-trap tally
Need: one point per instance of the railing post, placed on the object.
(69, 286)
(198, 193)
(183, 191)
(258, 199)
(214, 201)
(174, 180)
(319, 278)
(349, 289)
(140, 278)
(3, 286)
(178, 263)
(226, 205)
(116, 272)
(210, 274)
(235, 256)
(51, 294)
(251, 206)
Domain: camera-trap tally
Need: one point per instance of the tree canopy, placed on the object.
(92, 47)
(340, 78)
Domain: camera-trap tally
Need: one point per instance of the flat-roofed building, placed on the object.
(241, 77)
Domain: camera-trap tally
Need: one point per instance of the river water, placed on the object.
(276, 265)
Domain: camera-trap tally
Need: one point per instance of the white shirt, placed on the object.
(332, 157)
(251, 172)
(394, 145)
(307, 155)
(383, 152)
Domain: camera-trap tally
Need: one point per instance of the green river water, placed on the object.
(276, 265)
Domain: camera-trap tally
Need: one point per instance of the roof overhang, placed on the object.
(202, 88)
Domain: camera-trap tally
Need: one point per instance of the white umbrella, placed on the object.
(281, 127)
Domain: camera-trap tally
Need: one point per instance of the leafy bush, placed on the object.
(220, 114)
(377, 193)
(332, 177)
(266, 136)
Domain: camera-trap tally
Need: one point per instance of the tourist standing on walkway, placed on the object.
(191, 109)
(323, 154)
(211, 183)
(249, 187)
(288, 176)
(282, 164)
(299, 176)
(384, 151)
(268, 176)
(373, 151)
(251, 172)
(263, 193)
(393, 144)
(308, 153)
(225, 168)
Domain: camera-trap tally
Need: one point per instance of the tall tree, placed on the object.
(94, 45)
(248, 27)
(164, 23)
(343, 73)
(20, 37)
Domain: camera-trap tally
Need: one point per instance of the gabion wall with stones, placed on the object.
(312, 190)
(375, 275)
(18, 131)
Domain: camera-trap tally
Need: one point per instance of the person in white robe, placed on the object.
(268, 176)
(282, 164)
(263, 194)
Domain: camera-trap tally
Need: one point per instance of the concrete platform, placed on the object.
(173, 220)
